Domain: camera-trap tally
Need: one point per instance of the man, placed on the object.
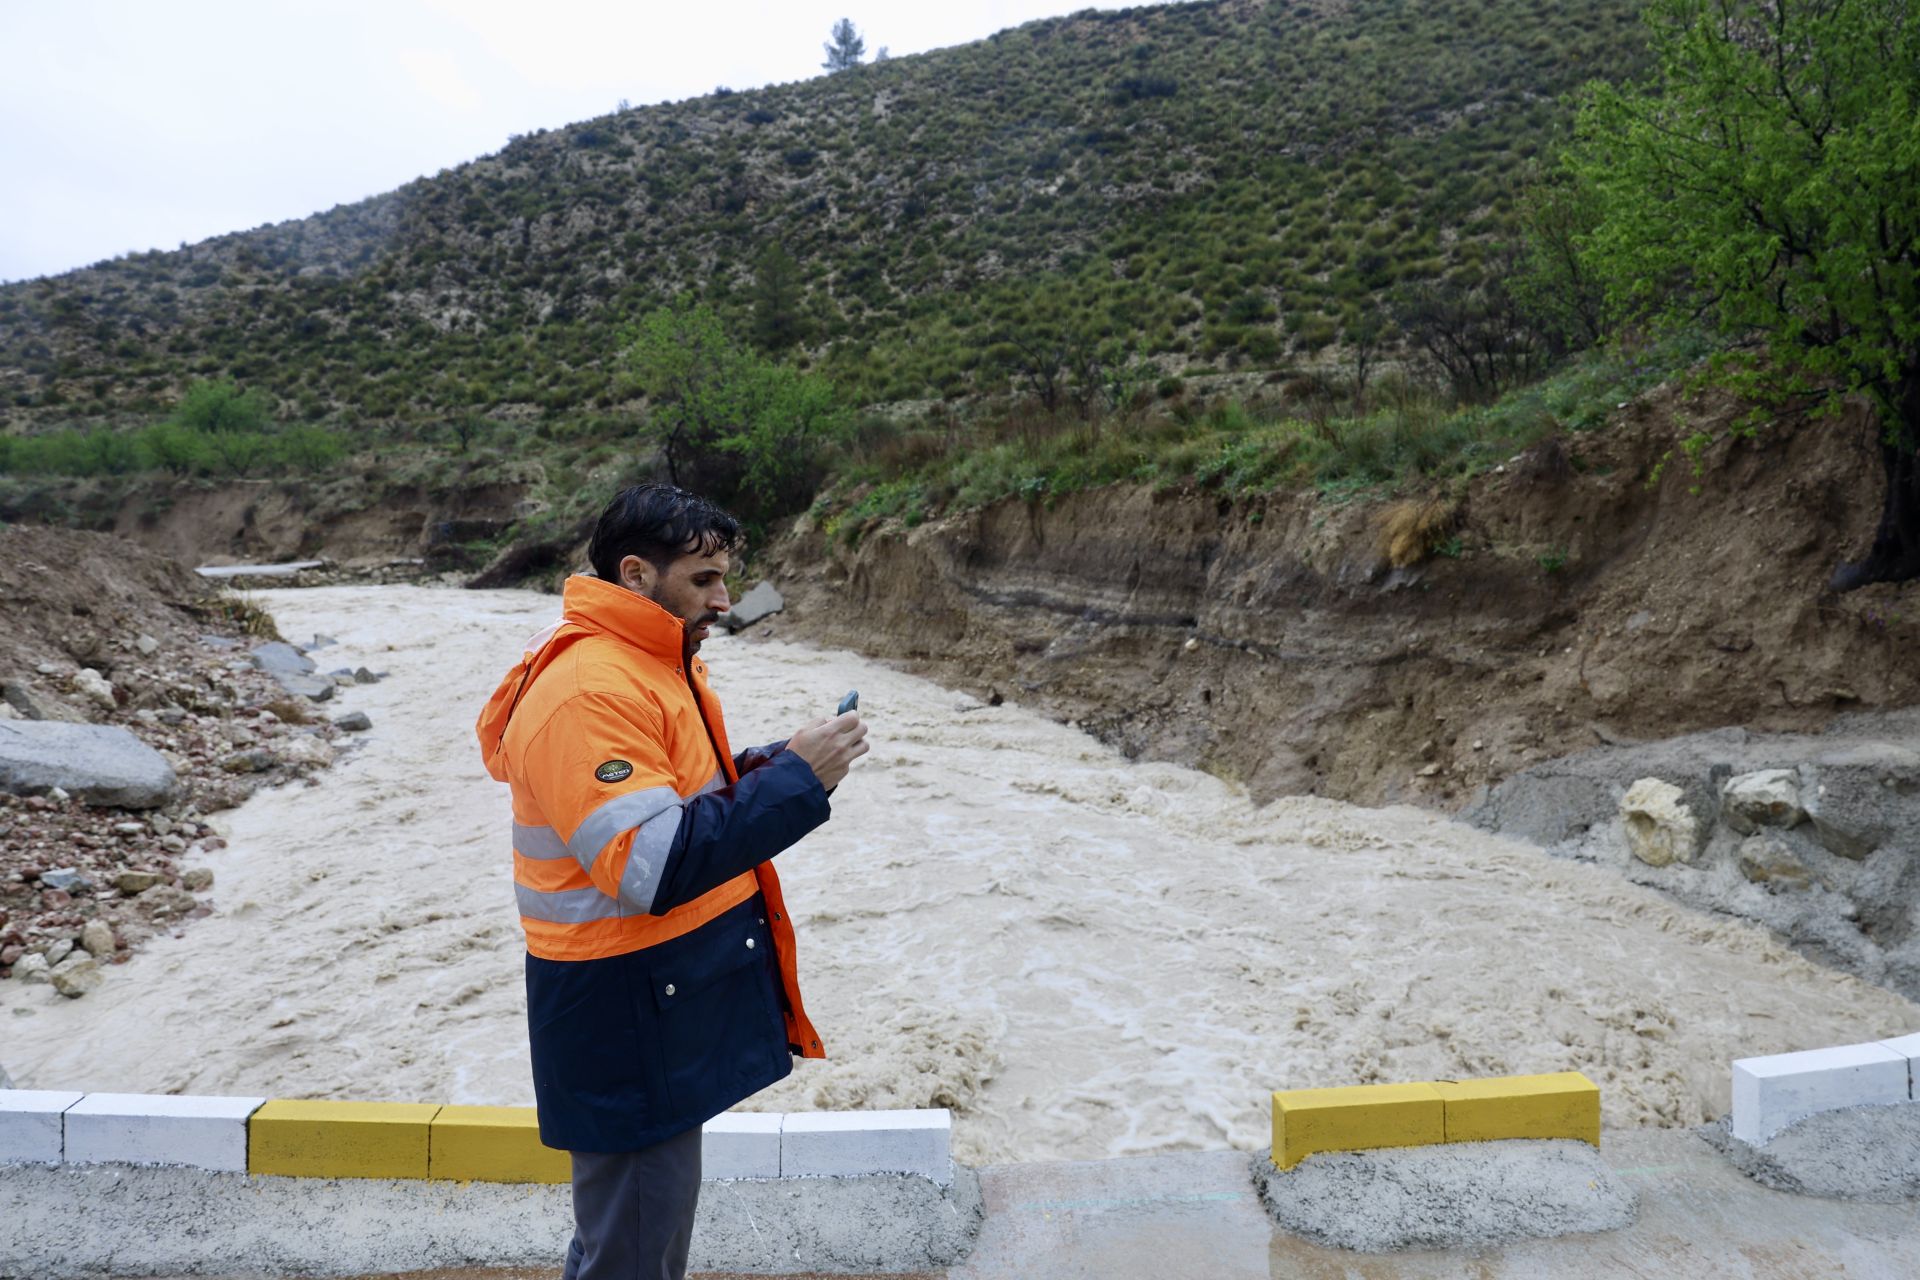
(661, 984)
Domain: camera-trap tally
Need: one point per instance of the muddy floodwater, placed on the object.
(1082, 956)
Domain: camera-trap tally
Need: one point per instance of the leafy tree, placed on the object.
(1769, 182)
(845, 48)
(218, 406)
(734, 425)
(1554, 282)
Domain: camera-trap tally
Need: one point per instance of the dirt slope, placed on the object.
(1268, 639)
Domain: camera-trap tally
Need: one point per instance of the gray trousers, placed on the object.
(633, 1211)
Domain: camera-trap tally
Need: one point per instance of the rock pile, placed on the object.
(102, 824)
(1816, 836)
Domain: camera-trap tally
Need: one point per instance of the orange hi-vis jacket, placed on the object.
(641, 851)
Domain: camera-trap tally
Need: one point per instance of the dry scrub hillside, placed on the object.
(1561, 601)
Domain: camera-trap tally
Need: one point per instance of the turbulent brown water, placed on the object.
(1084, 957)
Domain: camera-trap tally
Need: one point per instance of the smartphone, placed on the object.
(849, 703)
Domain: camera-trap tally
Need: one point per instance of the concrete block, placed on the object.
(1356, 1118)
(341, 1139)
(30, 1124)
(841, 1144)
(1771, 1093)
(492, 1144)
(741, 1144)
(1908, 1047)
(1564, 1104)
(160, 1128)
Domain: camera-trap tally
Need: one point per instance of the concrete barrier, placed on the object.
(1771, 1093)
(404, 1140)
(1908, 1047)
(31, 1125)
(1370, 1117)
(150, 1128)
(838, 1144)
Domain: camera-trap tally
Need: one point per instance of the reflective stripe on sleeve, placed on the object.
(648, 859)
(543, 843)
(616, 815)
(568, 906)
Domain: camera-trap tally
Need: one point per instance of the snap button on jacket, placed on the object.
(661, 980)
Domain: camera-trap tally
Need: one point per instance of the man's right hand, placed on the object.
(831, 746)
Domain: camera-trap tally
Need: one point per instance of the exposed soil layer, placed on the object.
(1569, 598)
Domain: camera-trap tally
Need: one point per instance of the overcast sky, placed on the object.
(136, 124)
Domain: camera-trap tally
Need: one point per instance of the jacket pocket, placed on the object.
(715, 1005)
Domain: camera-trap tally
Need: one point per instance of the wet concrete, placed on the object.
(1196, 1214)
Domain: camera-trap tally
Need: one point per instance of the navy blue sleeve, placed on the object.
(723, 833)
(753, 757)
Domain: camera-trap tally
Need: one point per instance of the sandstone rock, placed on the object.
(279, 657)
(761, 602)
(304, 750)
(76, 979)
(163, 902)
(102, 764)
(252, 760)
(197, 879)
(353, 722)
(95, 688)
(146, 644)
(1660, 828)
(67, 878)
(34, 705)
(1768, 798)
(57, 951)
(135, 882)
(97, 937)
(32, 968)
(1768, 859)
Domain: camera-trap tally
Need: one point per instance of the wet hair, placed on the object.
(659, 523)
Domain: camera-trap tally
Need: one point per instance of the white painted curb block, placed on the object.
(1908, 1047)
(842, 1144)
(741, 1144)
(1771, 1093)
(158, 1128)
(30, 1130)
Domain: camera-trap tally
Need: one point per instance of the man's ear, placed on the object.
(636, 574)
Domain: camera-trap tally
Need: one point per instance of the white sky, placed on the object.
(136, 124)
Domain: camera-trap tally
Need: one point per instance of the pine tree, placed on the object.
(845, 48)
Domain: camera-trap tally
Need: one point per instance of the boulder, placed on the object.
(68, 879)
(761, 602)
(278, 657)
(252, 760)
(101, 764)
(318, 688)
(1767, 859)
(57, 951)
(146, 644)
(1660, 827)
(95, 688)
(97, 937)
(1766, 798)
(33, 705)
(197, 879)
(135, 882)
(32, 968)
(301, 749)
(353, 722)
(1859, 797)
(163, 902)
(361, 675)
(77, 977)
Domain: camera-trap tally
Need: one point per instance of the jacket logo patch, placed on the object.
(614, 771)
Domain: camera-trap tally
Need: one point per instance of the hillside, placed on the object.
(1220, 185)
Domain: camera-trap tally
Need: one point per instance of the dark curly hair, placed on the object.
(659, 523)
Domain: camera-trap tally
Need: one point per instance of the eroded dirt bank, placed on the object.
(1082, 955)
(1269, 640)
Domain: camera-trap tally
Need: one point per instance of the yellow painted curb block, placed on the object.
(1356, 1118)
(1563, 1105)
(340, 1139)
(493, 1144)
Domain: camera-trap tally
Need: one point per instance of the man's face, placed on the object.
(693, 589)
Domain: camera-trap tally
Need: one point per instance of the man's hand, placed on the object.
(831, 746)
